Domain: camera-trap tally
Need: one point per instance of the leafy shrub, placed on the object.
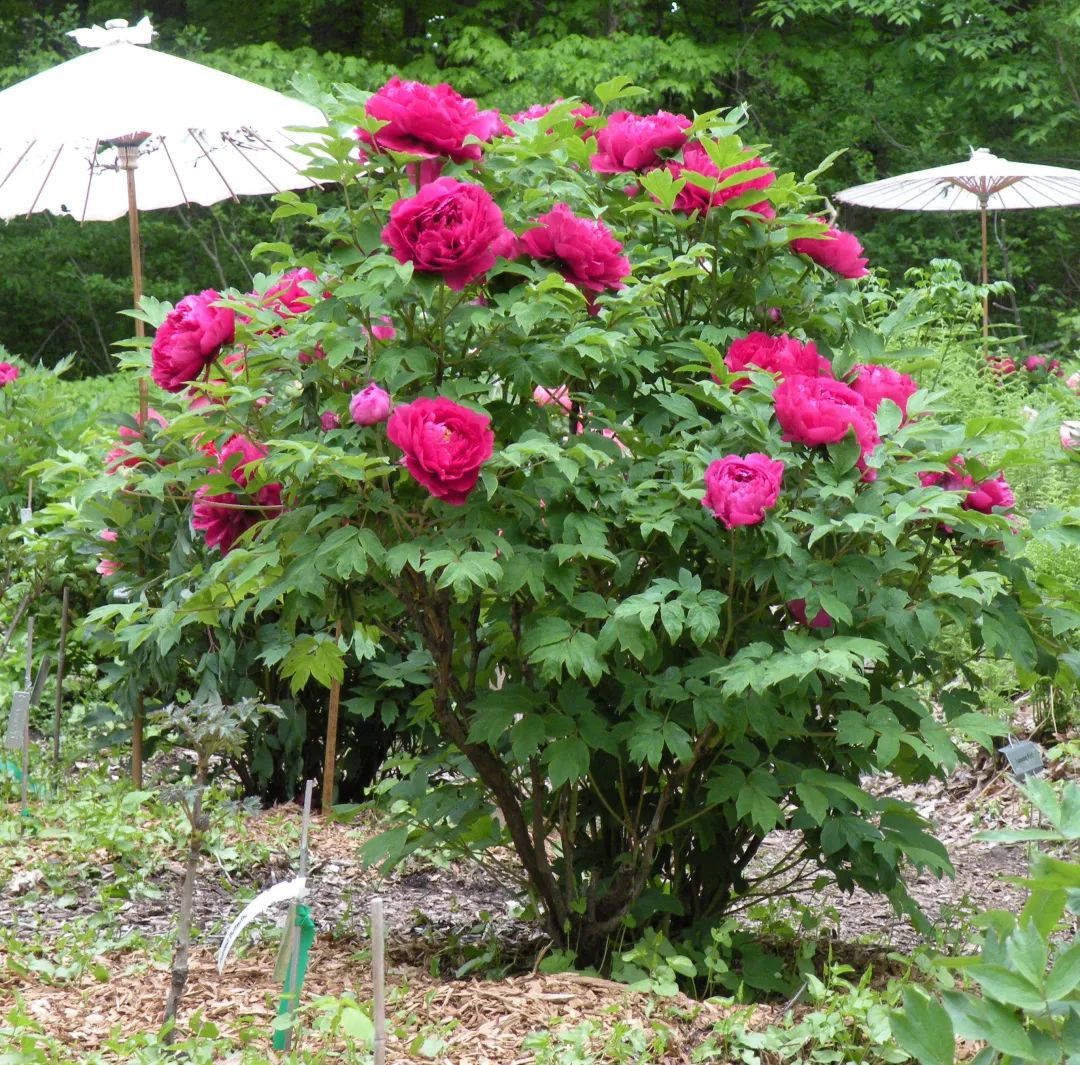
(642, 687)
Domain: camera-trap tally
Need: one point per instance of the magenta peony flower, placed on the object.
(837, 251)
(384, 330)
(224, 517)
(875, 383)
(634, 142)
(986, 495)
(445, 445)
(120, 456)
(821, 619)
(955, 480)
(8, 372)
(1035, 362)
(293, 294)
(429, 120)
(190, 339)
(370, 405)
(1001, 365)
(692, 198)
(449, 228)
(582, 250)
(329, 420)
(583, 111)
(561, 395)
(782, 355)
(820, 410)
(739, 489)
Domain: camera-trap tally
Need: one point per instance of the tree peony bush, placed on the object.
(656, 578)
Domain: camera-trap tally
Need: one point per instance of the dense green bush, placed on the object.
(630, 680)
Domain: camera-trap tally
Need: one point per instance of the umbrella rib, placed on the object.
(89, 181)
(176, 173)
(217, 171)
(45, 181)
(271, 148)
(15, 165)
(251, 162)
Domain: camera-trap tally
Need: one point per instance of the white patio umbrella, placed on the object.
(983, 183)
(73, 137)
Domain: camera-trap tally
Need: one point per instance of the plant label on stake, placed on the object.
(17, 721)
(39, 681)
(1024, 758)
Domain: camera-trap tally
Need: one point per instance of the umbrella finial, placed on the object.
(115, 31)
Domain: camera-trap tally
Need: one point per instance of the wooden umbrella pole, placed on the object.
(331, 738)
(136, 248)
(985, 281)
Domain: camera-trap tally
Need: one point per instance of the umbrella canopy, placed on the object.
(196, 135)
(983, 182)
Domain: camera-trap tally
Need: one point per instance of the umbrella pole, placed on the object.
(985, 281)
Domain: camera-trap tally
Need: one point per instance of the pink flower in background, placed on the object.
(1001, 365)
(224, 517)
(561, 395)
(820, 410)
(740, 488)
(108, 567)
(120, 456)
(445, 444)
(837, 251)
(821, 620)
(875, 383)
(329, 420)
(370, 405)
(693, 198)
(293, 294)
(1035, 362)
(189, 339)
(1073, 382)
(985, 495)
(1070, 435)
(109, 535)
(581, 249)
(384, 330)
(957, 479)
(634, 142)
(782, 355)
(449, 228)
(429, 120)
(8, 372)
(583, 111)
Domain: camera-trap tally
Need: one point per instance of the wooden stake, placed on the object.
(61, 665)
(378, 977)
(26, 726)
(330, 757)
(137, 742)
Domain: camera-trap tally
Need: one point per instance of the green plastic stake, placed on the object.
(294, 980)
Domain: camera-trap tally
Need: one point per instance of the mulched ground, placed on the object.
(432, 912)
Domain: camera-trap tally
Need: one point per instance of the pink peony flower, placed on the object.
(1035, 362)
(739, 489)
(986, 495)
(1001, 365)
(293, 294)
(429, 120)
(955, 480)
(821, 619)
(108, 567)
(1072, 382)
(384, 330)
(8, 372)
(634, 142)
(224, 517)
(120, 456)
(875, 383)
(693, 198)
(837, 251)
(1070, 435)
(190, 339)
(820, 410)
(583, 111)
(110, 535)
(581, 249)
(782, 355)
(445, 445)
(329, 420)
(370, 405)
(561, 395)
(449, 228)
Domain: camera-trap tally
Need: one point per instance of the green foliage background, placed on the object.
(902, 84)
